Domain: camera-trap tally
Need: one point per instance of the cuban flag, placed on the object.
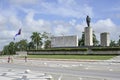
(19, 32)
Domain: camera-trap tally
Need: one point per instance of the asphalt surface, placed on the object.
(69, 70)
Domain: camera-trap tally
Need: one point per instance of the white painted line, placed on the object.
(60, 78)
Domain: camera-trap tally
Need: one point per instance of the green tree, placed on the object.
(95, 41)
(112, 43)
(118, 42)
(45, 35)
(36, 39)
(17, 48)
(47, 44)
(6, 50)
(22, 45)
(9, 49)
(31, 45)
(46, 40)
(81, 41)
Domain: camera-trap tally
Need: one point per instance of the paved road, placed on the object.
(79, 70)
(110, 75)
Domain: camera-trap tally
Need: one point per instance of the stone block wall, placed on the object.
(64, 41)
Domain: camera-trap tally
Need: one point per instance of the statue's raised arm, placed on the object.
(88, 21)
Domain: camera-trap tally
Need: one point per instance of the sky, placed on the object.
(57, 17)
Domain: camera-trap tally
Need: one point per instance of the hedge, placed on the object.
(106, 49)
(79, 49)
(62, 49)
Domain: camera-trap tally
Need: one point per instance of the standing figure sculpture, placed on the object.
(88, 21)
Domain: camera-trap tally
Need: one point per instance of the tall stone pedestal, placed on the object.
(105, 39)
(88, 36)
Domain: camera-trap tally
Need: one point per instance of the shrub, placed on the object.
(61, 49)
(106, 49)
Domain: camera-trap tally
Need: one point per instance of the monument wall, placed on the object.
(64, 41)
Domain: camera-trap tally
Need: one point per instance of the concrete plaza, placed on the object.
(63, 69)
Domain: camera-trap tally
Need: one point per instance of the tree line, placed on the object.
(39, 40)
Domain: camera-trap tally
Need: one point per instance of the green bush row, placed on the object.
(106, 49)
(80, 49)
(62, 49)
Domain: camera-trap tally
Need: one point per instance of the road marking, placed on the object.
(60, 77)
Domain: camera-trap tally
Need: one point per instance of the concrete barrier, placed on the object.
(21, 53)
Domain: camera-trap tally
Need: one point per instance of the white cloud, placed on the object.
(67, 8)
(63, 8)
(3, 21)
(72, 22)
(23, 2)
(79, 28)
(6, 36)
(7, 29)
(36, 25)
(15, 22)
(106, 25)
(60, 29)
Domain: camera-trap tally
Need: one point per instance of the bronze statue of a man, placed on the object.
(88, 21)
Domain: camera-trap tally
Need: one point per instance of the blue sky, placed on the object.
(57, 17)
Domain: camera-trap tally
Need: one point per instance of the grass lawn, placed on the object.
(90, 57)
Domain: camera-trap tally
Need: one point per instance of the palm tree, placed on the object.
(36, 39)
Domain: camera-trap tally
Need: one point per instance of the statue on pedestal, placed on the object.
(88, 21)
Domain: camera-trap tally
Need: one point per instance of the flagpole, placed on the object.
(18, 33)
